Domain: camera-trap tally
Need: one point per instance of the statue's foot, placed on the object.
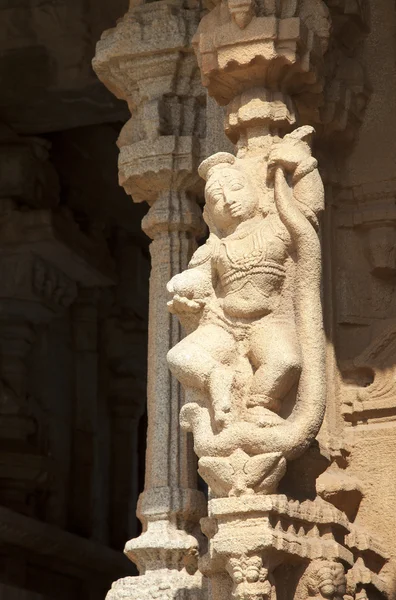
(263, 417)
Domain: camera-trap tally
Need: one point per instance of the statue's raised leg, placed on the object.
(201, 361)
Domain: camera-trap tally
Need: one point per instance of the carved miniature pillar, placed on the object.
(126, 411)
(147, 60)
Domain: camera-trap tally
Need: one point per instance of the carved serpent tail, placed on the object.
(307, 416)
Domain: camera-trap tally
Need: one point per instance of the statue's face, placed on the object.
(230, 198)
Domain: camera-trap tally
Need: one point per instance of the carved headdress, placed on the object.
(252, 170)
(207, 166)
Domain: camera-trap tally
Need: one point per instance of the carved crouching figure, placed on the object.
(240, 299)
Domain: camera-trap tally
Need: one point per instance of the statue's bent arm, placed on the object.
(197, 283)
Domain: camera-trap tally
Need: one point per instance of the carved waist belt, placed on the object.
(239, 328)
(266, 268)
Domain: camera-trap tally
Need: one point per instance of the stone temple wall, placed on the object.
(74, 270)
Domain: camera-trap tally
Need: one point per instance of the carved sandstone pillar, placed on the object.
(147, 60)
(253, 361)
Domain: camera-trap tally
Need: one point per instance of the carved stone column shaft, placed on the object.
(147, 60)
(172, 245)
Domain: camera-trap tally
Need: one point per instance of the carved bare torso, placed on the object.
(250, 266)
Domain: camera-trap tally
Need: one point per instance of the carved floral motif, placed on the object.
(323, 579)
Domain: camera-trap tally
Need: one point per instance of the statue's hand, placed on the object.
(180, 284)
(182, 305)
(288, 155)
(191, 283)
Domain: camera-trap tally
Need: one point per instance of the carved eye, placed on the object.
(236, 187)
(216, 196)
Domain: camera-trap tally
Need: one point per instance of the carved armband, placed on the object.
(204, 253)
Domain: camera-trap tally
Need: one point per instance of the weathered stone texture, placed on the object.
(253, 361)
(282, 320)
(46, 49)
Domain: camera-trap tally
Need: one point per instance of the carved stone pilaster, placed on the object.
(44, 256)
(170, 505)
(253, 362)
(32, 292)
(147, 60)
(126, 351)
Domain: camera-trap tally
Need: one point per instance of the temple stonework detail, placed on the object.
(255, 362)
(198, 341)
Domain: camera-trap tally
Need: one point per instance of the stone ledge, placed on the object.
(46, 540)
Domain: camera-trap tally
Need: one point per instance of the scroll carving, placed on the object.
(250, 299)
